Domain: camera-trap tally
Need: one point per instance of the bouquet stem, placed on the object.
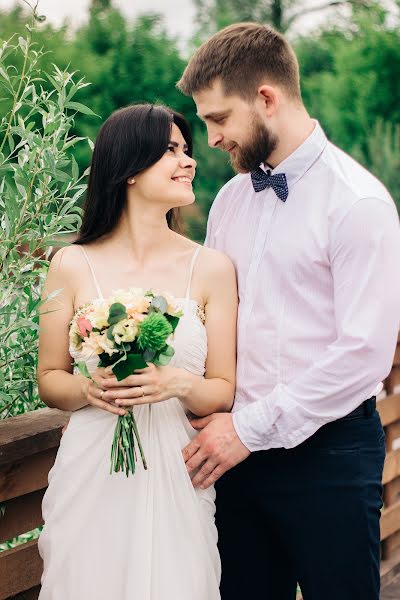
(123, 450)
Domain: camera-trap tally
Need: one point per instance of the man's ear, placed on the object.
(268, 95)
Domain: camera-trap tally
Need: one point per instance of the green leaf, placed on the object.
(173, 320)
(81, 108)
(82, 366)
(22, 43)
(5, 397)
(127, 367)
(4, 74)
(75, 168)
(117, 313)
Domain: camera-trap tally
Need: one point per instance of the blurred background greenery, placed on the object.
(350, 68)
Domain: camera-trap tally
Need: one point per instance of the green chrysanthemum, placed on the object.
(153, 332)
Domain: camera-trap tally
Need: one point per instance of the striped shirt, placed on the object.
(319, 291)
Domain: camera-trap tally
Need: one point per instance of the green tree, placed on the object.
(350, 83)
(126, 63)
(212, 15)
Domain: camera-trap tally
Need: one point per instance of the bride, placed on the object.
(150, 536)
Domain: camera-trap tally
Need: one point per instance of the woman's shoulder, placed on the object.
(216, 270)
(67, 258)
(68, 265)
(215, 261)
(208, 259)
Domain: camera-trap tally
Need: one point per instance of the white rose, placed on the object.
(125, 331)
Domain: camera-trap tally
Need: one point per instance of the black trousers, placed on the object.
(308, 515)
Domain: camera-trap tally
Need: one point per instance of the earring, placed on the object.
(131, 180)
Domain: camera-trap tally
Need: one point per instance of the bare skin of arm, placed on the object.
(58, 386)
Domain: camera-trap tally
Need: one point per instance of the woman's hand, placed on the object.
(96, 392)
(146, 386)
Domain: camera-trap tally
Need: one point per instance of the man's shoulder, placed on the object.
(353, 180)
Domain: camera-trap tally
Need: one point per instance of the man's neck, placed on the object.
(292, 136)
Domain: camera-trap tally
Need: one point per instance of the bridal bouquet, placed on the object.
(126, 331)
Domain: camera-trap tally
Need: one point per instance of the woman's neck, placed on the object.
(141, 237)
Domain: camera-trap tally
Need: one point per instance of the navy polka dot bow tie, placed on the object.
(261, 180)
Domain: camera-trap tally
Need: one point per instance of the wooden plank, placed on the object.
(389, 409)
(392, 436)
(30, 433)
(32, 594)
(392, 382)
(392, 591)
(390, 568)
(391, 546)
(390, 520)
(26, 475)
(21, 515)
(20, 569)
(391, 493)
(391, 469)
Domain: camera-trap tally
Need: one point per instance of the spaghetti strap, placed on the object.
(193, 261)
(96, 283)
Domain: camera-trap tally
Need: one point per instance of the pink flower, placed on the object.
(84, 326)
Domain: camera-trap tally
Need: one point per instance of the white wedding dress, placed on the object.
(150, 536)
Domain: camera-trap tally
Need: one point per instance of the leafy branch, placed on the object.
(40, 191)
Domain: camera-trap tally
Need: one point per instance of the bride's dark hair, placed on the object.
(130, 140)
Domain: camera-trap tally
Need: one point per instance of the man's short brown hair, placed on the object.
(241, 55)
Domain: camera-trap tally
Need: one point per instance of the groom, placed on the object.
(315, 241)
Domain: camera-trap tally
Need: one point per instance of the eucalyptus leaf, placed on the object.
(117, 313)
(162, 360)
(148, 355)
(159, 304)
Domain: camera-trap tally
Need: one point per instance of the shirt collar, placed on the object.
(301, 160)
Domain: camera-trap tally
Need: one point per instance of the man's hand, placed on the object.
(216, 449)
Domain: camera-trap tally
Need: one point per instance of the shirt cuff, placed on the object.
(275, 422)
(252, 425)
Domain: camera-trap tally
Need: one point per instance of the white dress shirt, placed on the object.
(319, 291)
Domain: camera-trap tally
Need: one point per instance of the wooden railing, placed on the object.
(389, 410)
(28, 446)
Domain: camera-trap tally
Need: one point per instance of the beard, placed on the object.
(260, 145)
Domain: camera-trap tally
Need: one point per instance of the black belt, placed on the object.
(364, 410)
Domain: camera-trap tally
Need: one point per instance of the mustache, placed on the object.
(226, 147)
